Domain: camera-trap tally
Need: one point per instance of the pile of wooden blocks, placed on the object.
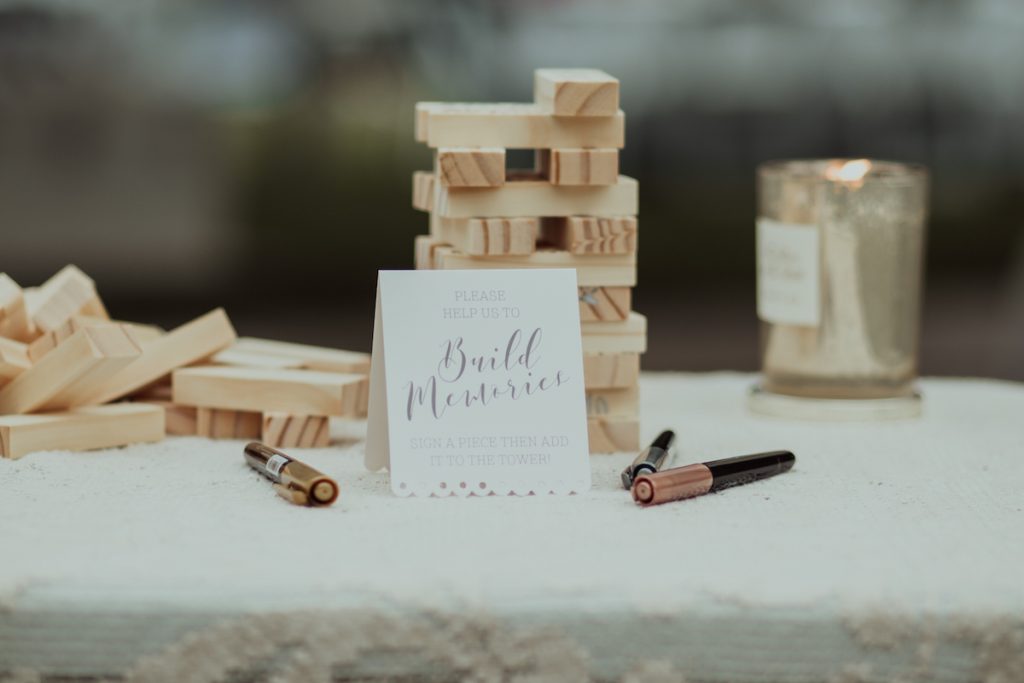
(572, 210)
(72, 379)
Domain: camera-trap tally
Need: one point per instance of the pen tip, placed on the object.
(324, 492)
(643, 492)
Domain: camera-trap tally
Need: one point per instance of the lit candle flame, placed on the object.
(852, 171)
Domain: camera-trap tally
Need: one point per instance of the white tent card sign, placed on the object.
(476, 384)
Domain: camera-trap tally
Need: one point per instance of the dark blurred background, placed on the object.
(258, 155)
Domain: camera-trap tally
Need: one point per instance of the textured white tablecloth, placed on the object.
(894, 551)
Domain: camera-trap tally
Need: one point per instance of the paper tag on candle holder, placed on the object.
(476, 384)
(788, 273)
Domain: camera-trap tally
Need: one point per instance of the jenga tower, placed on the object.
(572, 210)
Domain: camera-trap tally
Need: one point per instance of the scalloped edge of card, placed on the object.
(481, 489)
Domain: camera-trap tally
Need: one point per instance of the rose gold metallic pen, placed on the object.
(294, 481)
(708, 477)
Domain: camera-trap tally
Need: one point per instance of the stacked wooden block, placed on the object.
(63, 363)
(280, 393)
(571, 210)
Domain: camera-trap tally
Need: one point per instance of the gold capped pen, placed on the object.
(294, 481)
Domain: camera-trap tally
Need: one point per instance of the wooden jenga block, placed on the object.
(179, 420)
(605, 303)
(590, 234)
(19, 348)
(221, 423)
(629, 335)
(12, 364)
(440, 253)
(471, 166)
(591, 271)
(69, 292)
(142, 333)
(576, 92)
(613, 402)
(81, 429)
(610, 370)
(426, 251)
(248, 359)
(513, 126)
(363, 402)
(281, 430)
(67, 376)
(423, 190)
(487, 236)
(311, 357)
(537, 197)
(184, 345)
(613, 434)
(47, 341)
(579, 166)
(14, 319)
(304, 392)
(94, 308)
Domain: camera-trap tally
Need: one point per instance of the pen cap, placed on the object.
(673, 484)
(321, 489)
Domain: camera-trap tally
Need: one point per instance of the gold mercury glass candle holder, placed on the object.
(839, 276)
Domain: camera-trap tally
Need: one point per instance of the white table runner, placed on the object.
(892, 549)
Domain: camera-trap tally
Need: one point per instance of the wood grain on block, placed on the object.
(184, 345)
(426, 247)
(576, 92)
(66, 376)
(629, 335)
(305, 392)
(14, 319)
(611, 370)
(223, 423)
(538, 197)
(605, 303)
(312, 357)
(69, 292)
(580, 166)
(613, 434)
(513, 126)
(488, 236)
(613, 402)
(81, 429)
(591, 234)
(282, 430)
(47, 341)
(13, 362)
(423, 190)
(471, 166)
(179, 420)
(591, 271)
